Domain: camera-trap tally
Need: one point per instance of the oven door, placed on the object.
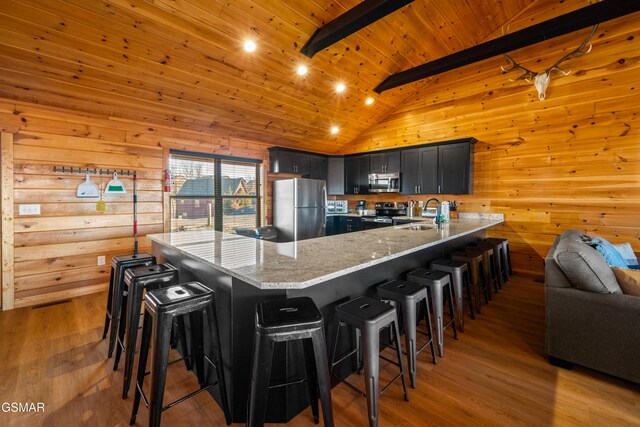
(384, 182)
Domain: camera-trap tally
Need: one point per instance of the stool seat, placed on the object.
(288, 320)
(401, 287)
(423, 273)
(366, 312)
(179, 299)
(287, 315)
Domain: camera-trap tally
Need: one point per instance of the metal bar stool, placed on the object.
(161, 306)
(459, 272)
(407, 296)
(489, 258)
(475, 262)
(500, 263)
(439, 286)
(369, 316)
(119, 264)
(289, 320)
(136, 281)
(505, 256)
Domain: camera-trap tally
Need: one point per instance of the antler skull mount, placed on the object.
(541, 80)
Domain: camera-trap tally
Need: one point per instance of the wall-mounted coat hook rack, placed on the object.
(71, 169)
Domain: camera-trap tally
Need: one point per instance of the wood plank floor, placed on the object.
(495, 374)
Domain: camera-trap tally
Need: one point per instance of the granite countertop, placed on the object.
(297, 265)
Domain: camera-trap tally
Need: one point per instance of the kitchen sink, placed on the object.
(417, 227)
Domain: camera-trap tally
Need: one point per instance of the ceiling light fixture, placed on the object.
(335, 130)
(302, 70)
(250, 46)
(369, 101)
(340, 87)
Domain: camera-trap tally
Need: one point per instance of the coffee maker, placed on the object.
(361, 207)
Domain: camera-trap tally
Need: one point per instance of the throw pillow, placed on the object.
(585, 268)
(629, 280)
(610, 254)
(627, 253)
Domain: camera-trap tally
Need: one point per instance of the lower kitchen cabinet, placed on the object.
(332, 225)
(349, 224)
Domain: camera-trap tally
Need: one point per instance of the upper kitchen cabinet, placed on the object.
(455, 168)
(438, 169)
(357, 174)
(419, 171)
(318, 167)
(388, 162)
(335, 176)
(309, 165)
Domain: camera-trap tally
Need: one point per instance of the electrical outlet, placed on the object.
(29, 210)
(102, 260)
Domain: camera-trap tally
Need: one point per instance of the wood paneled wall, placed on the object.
(56, 252)
(571, 161)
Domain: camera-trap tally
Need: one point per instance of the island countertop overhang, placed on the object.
(301, 264)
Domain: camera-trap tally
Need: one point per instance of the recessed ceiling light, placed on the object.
(340, 87)
(369, 101)
(250, 46)
(335, 130)
(302, 70)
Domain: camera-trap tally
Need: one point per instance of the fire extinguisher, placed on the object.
(167, 181)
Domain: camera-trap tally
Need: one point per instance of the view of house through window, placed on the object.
(214, 193)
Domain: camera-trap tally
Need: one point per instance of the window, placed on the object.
(214, 192)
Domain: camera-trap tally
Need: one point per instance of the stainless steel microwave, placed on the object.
(384, 182)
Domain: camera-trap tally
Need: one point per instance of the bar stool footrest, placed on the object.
(288, 383)
(351, 353)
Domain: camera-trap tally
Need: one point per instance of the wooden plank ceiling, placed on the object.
(181, 63)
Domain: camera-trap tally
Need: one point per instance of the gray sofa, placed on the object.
(588, 321)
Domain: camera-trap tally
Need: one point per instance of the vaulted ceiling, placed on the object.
(181, 63)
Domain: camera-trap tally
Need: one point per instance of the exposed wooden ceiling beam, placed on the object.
(365, 13)
(582, 18)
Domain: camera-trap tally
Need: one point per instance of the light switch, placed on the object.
(29, 209)
(101, 260)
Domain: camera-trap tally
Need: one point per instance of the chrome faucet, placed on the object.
(426, 205)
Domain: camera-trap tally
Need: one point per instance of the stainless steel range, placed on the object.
(385, 211)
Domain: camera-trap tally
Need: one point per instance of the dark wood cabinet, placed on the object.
(455, 169)
(332, 225)
(439, 169)
(428, 170)
(419, 170)
(318, 167)
(348, 224)
(356, 171)
(297, 162)
(384, 162)
(443, 168)
(335, 176)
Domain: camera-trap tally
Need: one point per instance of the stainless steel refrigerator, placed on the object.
(299, 208)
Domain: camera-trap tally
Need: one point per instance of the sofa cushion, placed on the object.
(584, 266)
(609, 252)
(629, 280)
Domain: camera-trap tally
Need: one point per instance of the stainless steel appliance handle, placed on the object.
(326, 202)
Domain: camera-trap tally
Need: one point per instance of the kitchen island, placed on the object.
(330, 270)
